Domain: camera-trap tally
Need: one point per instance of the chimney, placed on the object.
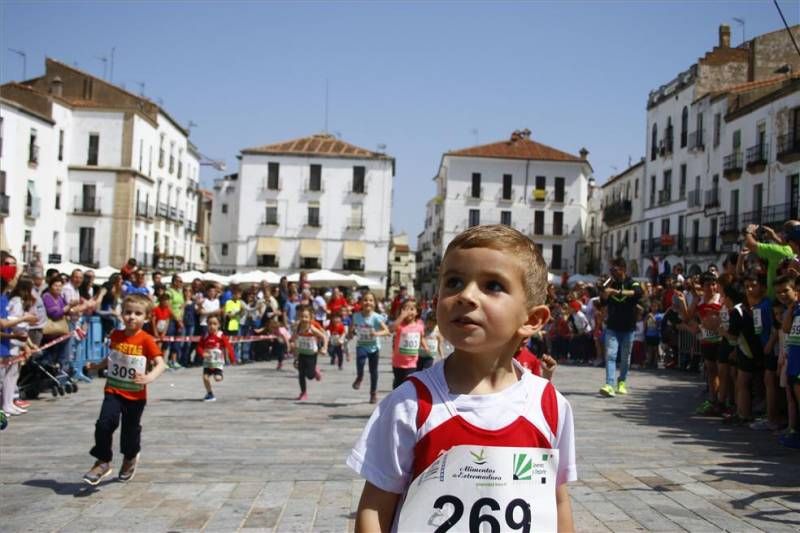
(525, 134)
(584, 153)
(724, 36)
(515, 136)
(56, 86)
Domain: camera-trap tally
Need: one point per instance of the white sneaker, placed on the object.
(15, 411)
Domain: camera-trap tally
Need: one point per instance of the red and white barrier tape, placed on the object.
(8, 361)
(234, 339)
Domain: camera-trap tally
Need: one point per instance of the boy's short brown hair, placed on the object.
(507, 239)
(139, 299)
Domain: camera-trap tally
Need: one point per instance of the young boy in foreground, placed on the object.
(130, 352)
(475, 438)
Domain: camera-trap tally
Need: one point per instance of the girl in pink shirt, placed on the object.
(409, 336)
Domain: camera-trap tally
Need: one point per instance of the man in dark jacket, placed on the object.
(621, 294)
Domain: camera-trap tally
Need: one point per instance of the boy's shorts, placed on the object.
(724, 353)
(771, 362)
(793, 369)
(212, 371)
(748, 364)
(709, 350)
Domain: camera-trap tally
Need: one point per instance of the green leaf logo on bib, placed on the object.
(522, 467)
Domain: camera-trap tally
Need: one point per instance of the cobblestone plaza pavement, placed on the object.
(257, 460)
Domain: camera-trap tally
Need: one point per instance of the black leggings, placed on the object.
(400, 375)
(306, 369)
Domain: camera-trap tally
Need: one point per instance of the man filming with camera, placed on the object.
(783, 246)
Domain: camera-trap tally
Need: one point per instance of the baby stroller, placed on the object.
(39, 375)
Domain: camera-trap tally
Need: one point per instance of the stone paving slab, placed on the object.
(256, 460)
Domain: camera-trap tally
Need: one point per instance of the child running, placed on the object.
(408, 341)
(213, 347)
(159, 323)
(433, 340)
(336, 346)
(367, 327)
(130, 352)
(430, 447)
(307, 342)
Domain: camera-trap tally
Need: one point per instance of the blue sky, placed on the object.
(419, 77)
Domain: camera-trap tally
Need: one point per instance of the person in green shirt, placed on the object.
(783, 247)
(176, 303)
(234, 309)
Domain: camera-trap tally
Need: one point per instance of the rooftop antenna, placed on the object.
(160, 101)
(474, 131)
(141, 85)
(24, 57)
(381, 148)
(740, 22)
(326, 105)
(111, 70)
(189, 127)
(104, 59)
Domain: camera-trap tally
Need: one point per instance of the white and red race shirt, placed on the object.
(421, 420)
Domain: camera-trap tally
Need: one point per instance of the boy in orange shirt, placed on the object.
(131, 350)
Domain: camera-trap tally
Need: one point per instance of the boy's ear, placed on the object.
(537, 318)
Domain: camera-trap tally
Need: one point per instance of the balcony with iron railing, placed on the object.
(86, 205)
(702, 245)
(732, 165)
(664, 196)
(617, 212)
(86, 256)
(311, 187)
(267, 220)
(5, 201)
(181, 216)
(548, 230)
(773, 215)
(271, 185)
(696, 140)
(664, 244)
(144, 210)
(789, 146)
(756, 157)
(665, 146)
(730, 226)
(33, 208)
(171, 262)
(191, 226)
(473, 194)
(162, 210)
(355, 223)
(144, 259)
(505, 195)
(694, 199)
(173, 212)
(711, 198)
(33, 154)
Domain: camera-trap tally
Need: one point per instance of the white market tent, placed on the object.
(190, 275)
(66, 268)
(216, 278)
(582, 278)
(103, 274)
(324, 278)
(255, 276)
(361, 281)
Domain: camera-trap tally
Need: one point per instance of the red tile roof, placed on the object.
(753, 85)
(401, 248)
(320, 145)
(519, 146)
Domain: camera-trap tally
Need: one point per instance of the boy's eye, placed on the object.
(495, 286)
(453, 283)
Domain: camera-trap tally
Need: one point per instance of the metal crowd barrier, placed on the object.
(688, 348)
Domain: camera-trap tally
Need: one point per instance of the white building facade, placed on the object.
(310, 203)
(108, 190)
(696, 176)
(541, 191)
(621, 216)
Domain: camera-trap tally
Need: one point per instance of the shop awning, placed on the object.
(311, 248)
(268, 246)
(353, 250)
